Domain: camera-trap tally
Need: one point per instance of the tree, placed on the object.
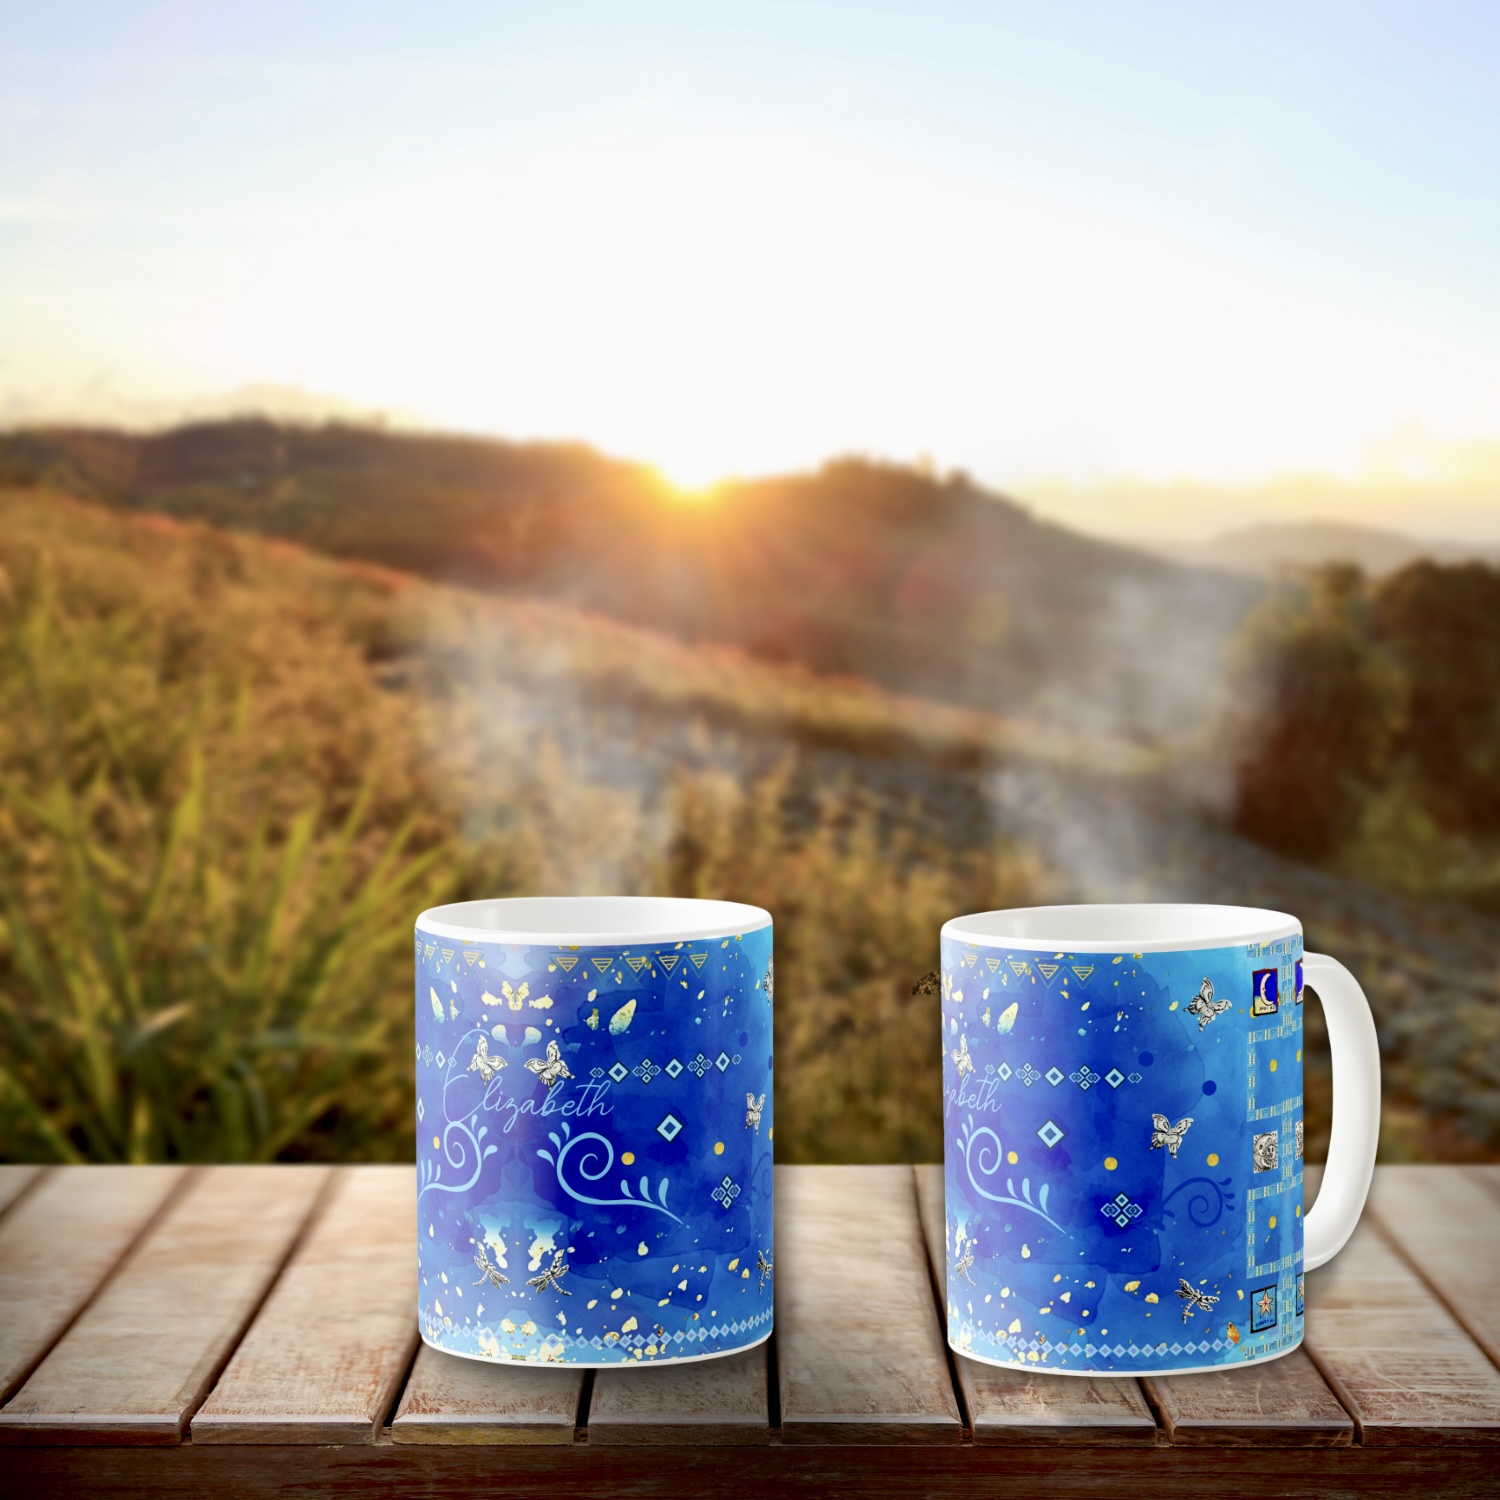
(1442, 626)
(1313, 711)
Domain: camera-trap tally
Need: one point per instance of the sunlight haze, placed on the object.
(1154, 269)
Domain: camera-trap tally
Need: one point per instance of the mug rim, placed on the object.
(1108, 927)
(591, 921)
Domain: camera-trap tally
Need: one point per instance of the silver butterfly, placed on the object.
(1164, 1133)
(552, 1276)
(482, 1063)
(764, 1266)
(766, 983)
(1193, 1298)
(552, 1070)
(962, 1059)
(487, 1272)
(1204, 1006)
(753, 1107)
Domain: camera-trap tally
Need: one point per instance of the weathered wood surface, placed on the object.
(453, 1400)
(858, 1367)
(1447, 1226)
(860, 1354)
(14, 1181)
(324, 1360)
(142, 1355)
(1284, 1403)
(1017, 1406)
(582, 1471)
(1394, 1355)
(721, 1401)
(58, 1246)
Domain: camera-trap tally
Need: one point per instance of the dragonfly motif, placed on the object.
(552, 1277)
(1193, 1298)
(488, 1272)
(962, 1265)
(764, 1266)
(1164, 1133)
(1204, 1006)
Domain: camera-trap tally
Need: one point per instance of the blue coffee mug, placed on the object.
(594, 1129)
(1123, 1135)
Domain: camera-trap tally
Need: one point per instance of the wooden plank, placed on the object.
(14, 1180)
(59, 1244)
(1018, 1406)
(860, 1355)
(1284, 1403)
(453, 1400)
(1448, 1226)
(581, 1471)
(1394, 1355)
(325, 1356)
(142, 1355)
(721, 1401)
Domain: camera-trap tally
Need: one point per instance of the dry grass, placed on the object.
(231, 773)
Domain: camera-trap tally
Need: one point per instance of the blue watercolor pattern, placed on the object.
(594, 1186)
(1088, 1227)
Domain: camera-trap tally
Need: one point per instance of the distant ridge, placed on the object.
(933, 587)
(1276, 548)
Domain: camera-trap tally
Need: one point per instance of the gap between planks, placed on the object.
(326, 1356)
(144, 1353)
(1019, 1406)
(61, 1245)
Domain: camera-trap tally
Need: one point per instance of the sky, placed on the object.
(1157, 268)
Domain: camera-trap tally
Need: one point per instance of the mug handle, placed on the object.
(1356, 1109)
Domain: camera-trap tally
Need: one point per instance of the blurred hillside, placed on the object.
(924, 586)
(1287, 548)
(232, 772)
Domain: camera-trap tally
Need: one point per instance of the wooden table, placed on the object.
(250, 1330)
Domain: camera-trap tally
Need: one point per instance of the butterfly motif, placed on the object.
(552, 1070)
(961, 1057)
(1193, 1298)
(764, 1266)
(514, 998)
(482, 1063)
(1204, 1006)
(962, 1265)
(552, 1277)
(1164, 1133)
(487, 1272)
(766, 983)
(753, 1107)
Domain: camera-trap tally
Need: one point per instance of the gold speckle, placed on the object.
(626, 1158)
(1011, 1157)
(1025, 1252)
(1130, 1286)
(1152, 1297)
(1213, 1158)
(1110, 1164)
(718, 1148)
(1273, 1064)
(1271, 1222)
(435, 1143)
